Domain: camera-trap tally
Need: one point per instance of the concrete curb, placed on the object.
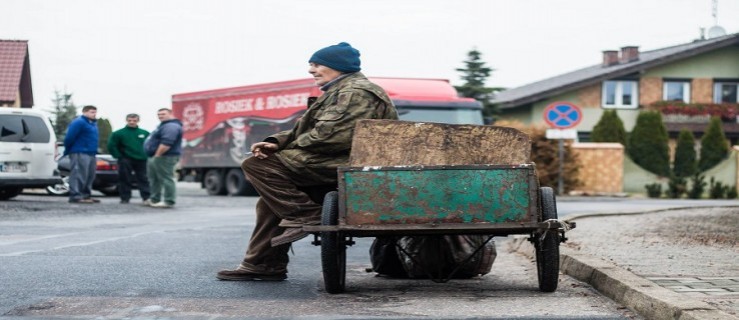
(636, 293)
(624, 213)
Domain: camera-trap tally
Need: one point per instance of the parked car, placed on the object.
(26, 151)
(106, 176)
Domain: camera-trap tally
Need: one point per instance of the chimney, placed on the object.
(629, 54)
(610, 57)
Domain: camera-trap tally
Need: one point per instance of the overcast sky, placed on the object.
(132, 55)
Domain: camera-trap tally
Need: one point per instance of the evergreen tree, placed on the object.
(63, 111)
(714, 146)
(474, 75)
(648, 144)
(609, 128)
(685, 164)
(104, 131)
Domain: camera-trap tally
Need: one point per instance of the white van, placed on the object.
(27, 146)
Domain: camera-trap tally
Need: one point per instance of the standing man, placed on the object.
(164, 147)
(81, 144)
(127, 145)
(308, 155)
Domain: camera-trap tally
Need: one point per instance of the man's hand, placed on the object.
(262, 150)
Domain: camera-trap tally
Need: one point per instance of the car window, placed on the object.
(22, 128)
(36, 130)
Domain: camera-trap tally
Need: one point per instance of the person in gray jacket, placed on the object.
(163, 147)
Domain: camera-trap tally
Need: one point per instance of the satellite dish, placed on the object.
(716, 31)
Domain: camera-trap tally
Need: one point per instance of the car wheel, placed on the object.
(109, 191)
(10, 192)
(61, 189)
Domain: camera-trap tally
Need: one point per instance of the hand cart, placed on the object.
(404, 190)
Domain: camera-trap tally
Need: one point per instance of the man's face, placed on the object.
(322, 74)
(90, 114)
(164, 115)
(132, 122)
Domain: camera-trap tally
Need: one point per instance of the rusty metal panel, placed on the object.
(437, 194)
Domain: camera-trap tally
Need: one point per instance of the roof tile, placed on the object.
(12, 56)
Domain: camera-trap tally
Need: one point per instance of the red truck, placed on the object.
(220, 125)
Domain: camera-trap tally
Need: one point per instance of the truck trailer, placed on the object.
(220, 125)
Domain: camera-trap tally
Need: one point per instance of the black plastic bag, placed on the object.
(433, 257)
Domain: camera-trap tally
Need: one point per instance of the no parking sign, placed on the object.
(562, 115)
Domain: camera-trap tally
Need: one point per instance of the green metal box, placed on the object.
(433, 195)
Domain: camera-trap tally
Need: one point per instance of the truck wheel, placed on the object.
(214, 183)
(10, 192)
(547, 245)
(237, 185)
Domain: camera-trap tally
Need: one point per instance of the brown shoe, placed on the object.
(240, 274)
(290, 235)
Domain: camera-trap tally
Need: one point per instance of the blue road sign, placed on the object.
(562, 115)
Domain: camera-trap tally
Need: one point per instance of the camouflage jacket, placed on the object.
(321, 140)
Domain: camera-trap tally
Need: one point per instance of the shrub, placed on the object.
(676, 187)
(648, 144)
(698, 186)
(685, 164)
(545, 154)
(731, 193)
(716, 189)
(714, 146)
(654, 190)
(609, 128)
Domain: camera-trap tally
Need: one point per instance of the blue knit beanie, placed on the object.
(341, 57)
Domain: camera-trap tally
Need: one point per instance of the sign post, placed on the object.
(560, 116)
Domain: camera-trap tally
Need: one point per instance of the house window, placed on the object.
(676, 91)
(620, 94)
(725, 92)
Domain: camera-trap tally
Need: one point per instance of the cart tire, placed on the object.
(547, 249)
(333, 246)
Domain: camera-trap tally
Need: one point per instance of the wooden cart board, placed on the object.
(394, 143)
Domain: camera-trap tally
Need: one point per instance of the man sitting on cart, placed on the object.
(306, 156)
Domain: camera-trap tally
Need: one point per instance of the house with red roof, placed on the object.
(15, 74)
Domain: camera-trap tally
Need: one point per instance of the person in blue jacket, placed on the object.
(81, 144)
(164, 147)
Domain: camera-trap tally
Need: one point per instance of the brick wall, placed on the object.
(701, 90)
(590, 96)
(602, 167)
(650, 90)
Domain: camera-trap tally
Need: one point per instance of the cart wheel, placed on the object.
(333, 247)
(547, 249)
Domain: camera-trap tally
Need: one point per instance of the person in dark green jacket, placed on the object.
(287, 162)
(127, 145)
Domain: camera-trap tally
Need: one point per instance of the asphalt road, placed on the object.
(114, 261)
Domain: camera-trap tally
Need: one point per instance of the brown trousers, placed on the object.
(281, 205)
